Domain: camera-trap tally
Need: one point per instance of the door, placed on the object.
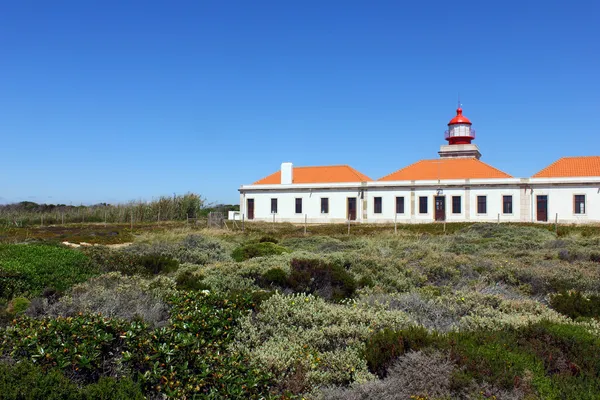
(250, 208)
(542, 208)
(440, 208)
(352, 208)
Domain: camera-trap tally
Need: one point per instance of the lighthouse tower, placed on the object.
(459, 136)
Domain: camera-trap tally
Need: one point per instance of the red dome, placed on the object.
(459, 119)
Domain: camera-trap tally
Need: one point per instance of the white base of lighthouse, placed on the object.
(459, 151)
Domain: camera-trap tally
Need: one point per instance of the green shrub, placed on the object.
(275, 276)
(189, 355)
(252, 250)
(574, 304)
(25, 380)
(268, 239)
(29, 269)
(157, 264)
(328, 280)
(384, 347)
(18, 305)
(187, 280)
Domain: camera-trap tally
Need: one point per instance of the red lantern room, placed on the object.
(459, 129)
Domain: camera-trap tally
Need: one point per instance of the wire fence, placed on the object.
(176, 208)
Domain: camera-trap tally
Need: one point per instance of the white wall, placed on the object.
(560, 200)
(468, 209)
(311, 205)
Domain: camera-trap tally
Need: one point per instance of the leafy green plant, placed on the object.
(189, 355)
(275, 276)
(574, 304)
(384, 347)
(27, 269)
(187, 280)
(252, 250)
(25, 380)
(18, 305)
(326, 279)
(157, 264)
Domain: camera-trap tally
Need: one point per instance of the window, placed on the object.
(423, 204)
(324, 205)
(298, 206)
(377, 205)
(507, 204)
(399, 205)
(481, 204)
(273, 206)
(456, 205)
(579, 203)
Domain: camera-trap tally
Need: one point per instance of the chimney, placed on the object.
(287, 173)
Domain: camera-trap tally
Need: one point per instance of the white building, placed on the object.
(457, 187)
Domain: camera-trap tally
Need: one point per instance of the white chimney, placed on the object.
(287, 173)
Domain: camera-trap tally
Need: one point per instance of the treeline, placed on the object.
(165, 208)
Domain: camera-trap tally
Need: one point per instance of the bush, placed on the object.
(29, 269)
(187, 280)
(574, 304)
(111, 295)
(415, 375)
(25, 380)
(252, 250)
(327, 280)
(385, 346)
(157, 264)
(18, 305)
(188, 356)
(268, 239)
(275, 276)
(193, 249)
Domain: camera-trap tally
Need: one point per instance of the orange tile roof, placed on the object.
(324, 174)
(571, 167)
(446, 168)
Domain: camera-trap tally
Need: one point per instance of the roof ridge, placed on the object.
(492, 167)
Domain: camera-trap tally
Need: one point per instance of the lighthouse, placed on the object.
(459, 135)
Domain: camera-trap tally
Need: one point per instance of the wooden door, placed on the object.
(440, 208)
(542, 208)
(352, 208)
(250, 209)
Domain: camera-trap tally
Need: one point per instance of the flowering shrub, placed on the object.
(324, 340)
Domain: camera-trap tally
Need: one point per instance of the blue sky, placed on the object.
(108, 101)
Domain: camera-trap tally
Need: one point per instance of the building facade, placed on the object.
(457, 187)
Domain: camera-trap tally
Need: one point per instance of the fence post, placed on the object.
(395, 224)
(498, 217)
(42, 220)
(305, 218)
(243, 222)
(132, 220)
(273, 222)
(104, 217)
(348, 224)
(556, 224)
(62, 215)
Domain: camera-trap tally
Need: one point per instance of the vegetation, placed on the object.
(479, 311)
(165, 208)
